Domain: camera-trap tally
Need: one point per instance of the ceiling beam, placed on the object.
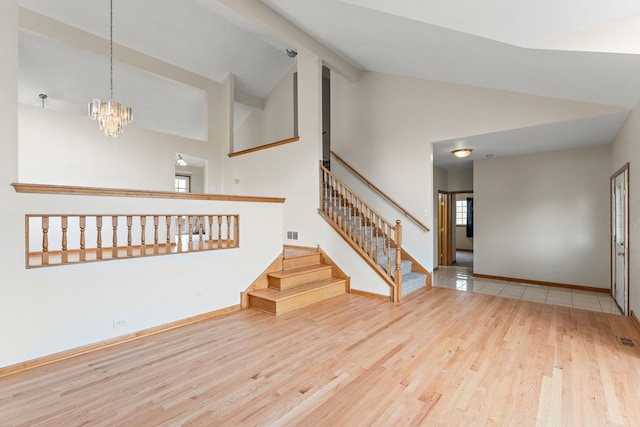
(73, 37)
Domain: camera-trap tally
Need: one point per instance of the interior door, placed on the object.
(619, 244)
(445, 228)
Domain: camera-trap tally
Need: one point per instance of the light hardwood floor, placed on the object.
(441, 358)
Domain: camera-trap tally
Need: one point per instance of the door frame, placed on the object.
(623, 170)
(444, 228)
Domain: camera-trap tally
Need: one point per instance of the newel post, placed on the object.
(397, 242)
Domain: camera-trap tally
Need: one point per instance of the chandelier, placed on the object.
(112, 116)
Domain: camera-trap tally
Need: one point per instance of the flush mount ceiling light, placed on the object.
(180, 161)
(111, 115)
(462, 152)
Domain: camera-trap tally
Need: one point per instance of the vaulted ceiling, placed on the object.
(577, 50)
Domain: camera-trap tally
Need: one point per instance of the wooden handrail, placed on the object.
(380, 192)
(373, 237)
(123, 192)
(264, 147)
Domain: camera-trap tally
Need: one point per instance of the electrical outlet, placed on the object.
(119, 323)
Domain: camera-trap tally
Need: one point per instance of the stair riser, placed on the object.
(299, 279)
(262, 304)
(309, 298)
(301, 261)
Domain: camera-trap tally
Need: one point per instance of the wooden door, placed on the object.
(445, 226)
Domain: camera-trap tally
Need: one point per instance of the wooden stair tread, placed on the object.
(276, 295)
(299, 270)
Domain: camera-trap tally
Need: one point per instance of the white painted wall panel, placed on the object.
(544, 216)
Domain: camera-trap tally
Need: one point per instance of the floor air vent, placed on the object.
(627, 342)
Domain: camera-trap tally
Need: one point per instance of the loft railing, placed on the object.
(68, 239)
(380, 192)
(377, 240)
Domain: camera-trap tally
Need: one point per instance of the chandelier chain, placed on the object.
(111, 45)
(112, 116)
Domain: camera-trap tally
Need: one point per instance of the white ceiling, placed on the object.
(581, 50)
(548, 137)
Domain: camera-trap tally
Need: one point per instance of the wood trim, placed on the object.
(78, 351)
(149, 194)
(464, 250)
(416, 266)
(265, 146)
(539, 282)
(369, 294)
(619, 171)
(377, 190)
(359, 251)
(336, 271)
(624, 168)
(262, 281)
(635, 319)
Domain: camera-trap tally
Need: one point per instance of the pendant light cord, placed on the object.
(111, 44)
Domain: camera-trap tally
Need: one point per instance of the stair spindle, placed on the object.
(99, 237)
(219, 231)
(228, 231)
(129, 235)
(64, 224)
(210, 240)
(180, 220)
(83, 226)
(114, 236)
(190, 219)
(45, 240)
(156, 223)
(167, 247)
(200, 232)
(143, 235)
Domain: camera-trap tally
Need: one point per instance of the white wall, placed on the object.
(544, 216)
(289, 170)
(384, 125)
(138, 158)
(271, 124)
(47, 310)
(460, 179)
(625, 149)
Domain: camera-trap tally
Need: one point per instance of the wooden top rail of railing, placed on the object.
(123, 192)
(377, 241)
(264, 146)
(380, 192)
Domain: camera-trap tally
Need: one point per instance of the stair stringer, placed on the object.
(367, 277)
(416, 266)
(262, 281)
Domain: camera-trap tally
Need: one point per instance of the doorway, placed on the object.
(446, 211)
(326, 117)
(620, 238)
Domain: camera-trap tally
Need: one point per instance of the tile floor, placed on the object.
(461, 278)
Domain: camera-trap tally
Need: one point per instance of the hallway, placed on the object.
(461, 278)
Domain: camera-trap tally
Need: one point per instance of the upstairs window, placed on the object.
(183, 184)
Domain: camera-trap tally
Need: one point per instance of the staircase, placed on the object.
(355, 225)
(303, 280)
(374, 238)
